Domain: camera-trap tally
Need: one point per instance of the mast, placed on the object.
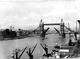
(76, 26)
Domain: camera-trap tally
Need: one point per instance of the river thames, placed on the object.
(7, 47)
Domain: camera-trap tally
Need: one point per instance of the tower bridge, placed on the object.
(61, 24)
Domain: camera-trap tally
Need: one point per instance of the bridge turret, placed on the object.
(41, 26)
(62, 28)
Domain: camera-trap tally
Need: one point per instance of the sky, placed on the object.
(28, 13)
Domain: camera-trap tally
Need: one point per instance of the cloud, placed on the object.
(21, 12)
(16, 12)
(36, 0)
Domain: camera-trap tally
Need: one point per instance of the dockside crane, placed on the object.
(44, 32)
(45, 47)
(16, 53)
(30, 52)
(57, 31)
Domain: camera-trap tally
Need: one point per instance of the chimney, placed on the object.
(79, 28)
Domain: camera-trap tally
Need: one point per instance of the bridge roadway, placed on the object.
(53, 24)
(6, 47)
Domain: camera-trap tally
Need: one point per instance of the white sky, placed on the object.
(25, 13)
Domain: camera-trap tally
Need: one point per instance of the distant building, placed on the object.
(9, 33)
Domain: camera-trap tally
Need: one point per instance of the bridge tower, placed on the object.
(41, 26)
(62, 29)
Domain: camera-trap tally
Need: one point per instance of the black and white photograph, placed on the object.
(39, 29)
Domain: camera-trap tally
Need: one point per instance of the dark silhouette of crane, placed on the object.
(44, 32)
(57, 31)
(16, 53)
(30, 51)
(46, 51)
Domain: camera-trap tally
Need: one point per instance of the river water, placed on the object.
(7, 47)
